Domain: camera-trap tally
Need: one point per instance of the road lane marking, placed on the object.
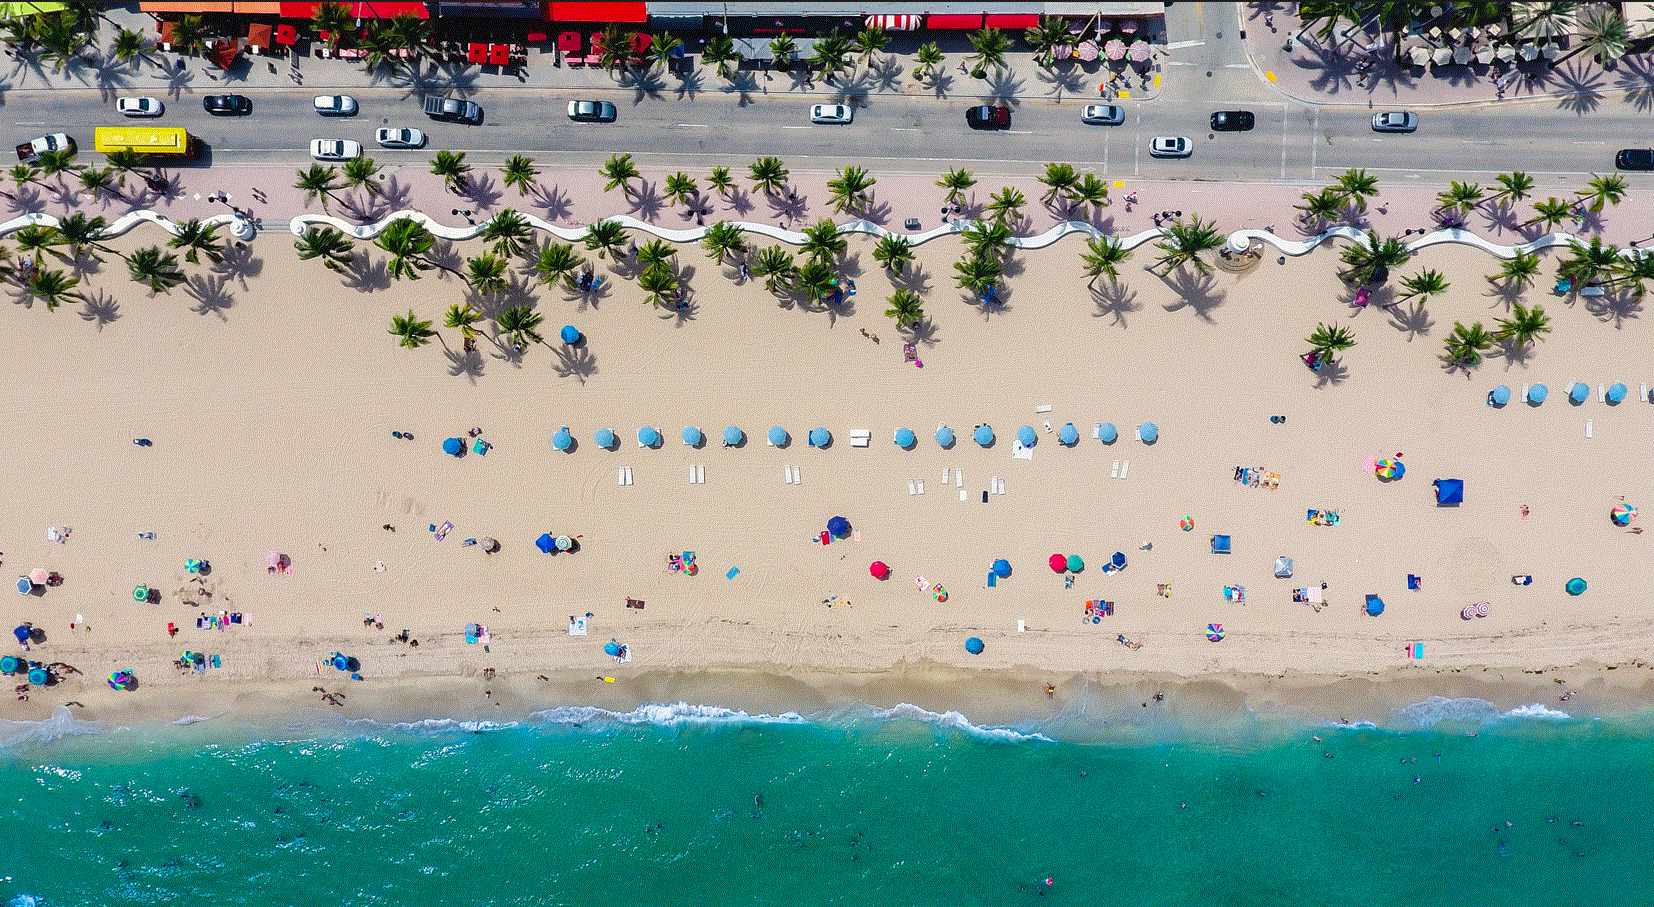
(687, 126)
(1182, 44)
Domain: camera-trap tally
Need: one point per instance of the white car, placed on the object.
(1395, 121)
(832, 114)
(1103, 114)
(335, 149)
(140, 107)
(336, 105)
(404, 137)
(1170, 146)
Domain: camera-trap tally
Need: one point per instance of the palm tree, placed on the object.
(720, 52)
(1514, 187)
(408, 243)
(80, 232)
(987, 238)
(1465, 345)
(1601, 190)
(663, 48)
(1183, 243)
(362, 172)
(333, 19)
(658, 284)
(198, 239)
(122, 161)
(1551, 212)
(485, 275)
(929, 58)
(605, 238)
(870, 41)
(1006, 205)
(451, 166)
(327, 243)
(894, 252)
(1089, 190)
(720, 180)
(53, 287)
(619, 171)
(509, 232)
(410, 331)
(977, 273)
(782, 48)
(1525, 326)
(1518, 272)
(1588, 264)
(56, 162)
(1321, 207)
(1356, 185)
(956, 181)
(558, 260)
(988, 48)
(317, 182)
(129, 47)
(776, 266)
(1058, 179)
(1459, 197)
(722, 240)
(1542, 20)
(1329, 339)
(519, 171)
(1104, 255)
(97, 180)
(520, 325)
(849, 189)
(379, 45)
(1603, 32)
(1635, 268)
(22, 174)
(815, 279)
(832, 53)
(1423, 285)
(1372, 260)
(767, 174)
(656, 253)
(1046, 37)
(36, 240)
(822, 241)
(186, 35)
(462, 317)
(155, 269)
(614, 48)
(906, 308)
(412, 34)
(681, 187)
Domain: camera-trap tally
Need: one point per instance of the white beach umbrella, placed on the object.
(1461, 55)
(1506, 53)
(1484, 54)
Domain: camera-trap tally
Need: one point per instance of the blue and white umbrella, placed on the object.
(733, 436)
(1149, 431)
(1068, 435)
(1538, 393)
(1026, 435)
(944, 436)
(1108, 433)
(1616, 392)
(1578, 392)
(692, 436)
(820, 437)
(604, 438)
(648, 436)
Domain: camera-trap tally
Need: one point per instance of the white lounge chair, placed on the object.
(1124, 468)
(860, 437)
(1115, 472)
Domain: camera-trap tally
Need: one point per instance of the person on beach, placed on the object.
(1050, 691)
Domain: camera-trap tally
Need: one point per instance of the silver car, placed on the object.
(389, 137)
(592, 111)
(1170, 146)
(335, 105)
(1395, 121)
(832, 114)
(140, 107)
(335, 149)
(1103, 114)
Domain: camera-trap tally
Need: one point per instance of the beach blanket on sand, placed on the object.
(577, 626)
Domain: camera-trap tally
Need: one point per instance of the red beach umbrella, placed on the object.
(879, 570)
(1058, 562)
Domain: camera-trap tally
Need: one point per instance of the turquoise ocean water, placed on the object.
(691, 805)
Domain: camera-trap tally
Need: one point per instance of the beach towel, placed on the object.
(443, 530)
(1019, 452)
(732, 572)
(577, 626)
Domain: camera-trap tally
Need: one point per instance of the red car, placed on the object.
(988, 116)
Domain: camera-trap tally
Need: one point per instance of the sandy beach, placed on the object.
(272, 406)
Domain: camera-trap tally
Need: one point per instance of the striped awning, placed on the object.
(895, 23)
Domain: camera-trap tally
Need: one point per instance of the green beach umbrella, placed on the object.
(1576, 586)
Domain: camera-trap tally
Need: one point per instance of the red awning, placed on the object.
(971, 20)
(362, 9)
(597, 11)
(1013, 20)
(895, 22)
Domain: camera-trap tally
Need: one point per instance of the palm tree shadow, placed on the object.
(1332, 71)
(553, 201)
(239, 264)
(1501, 216)
(1505, 292)
(1515, 353)
(1615, 308)
(25, 199)
(689, 85)
(366, 274)
(177, 82)
(211, 294)
(741, 83)
(464, 362)
(1334, 372)
(740, 200)
(1196, 290)
(1115, 300)
(886, 74)
(482, 191)
(791, 206)
(575, 362)
(111, 76)
(1003, 86)
(877, 212)
(1071, 80)
(1636, 82)
(1414, 320)
(912, 277)
(921, 333)
(999, 305)
(646, 202)
(645, 85)
(1580, 92)
(100, 308)
(802, 78)
(940, 82)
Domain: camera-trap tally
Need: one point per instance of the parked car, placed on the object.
(140, 107)
(403, 137)
(1395, 121)
(227, 105)
(336, 105)
(591, 111)
(1103, 114)
(1170, 146)
(832, 114)
(1635, 159)
(1232, 121)
(335, 149)
(455, 109)
(29, 152)
(988, 116)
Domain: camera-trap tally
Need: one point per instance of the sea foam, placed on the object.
(945, 721)
(59, 725)
(1439, 710)
(669, 715)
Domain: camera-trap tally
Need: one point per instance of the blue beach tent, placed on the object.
(1449, 491)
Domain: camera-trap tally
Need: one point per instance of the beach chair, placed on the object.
(1592, 291)
(1125, 467)
(1525, 394)
(860, 437)
(1115, 472)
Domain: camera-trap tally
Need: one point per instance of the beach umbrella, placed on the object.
(1500, 396)
(1616, 392)
(973, 646)
(1026, 435)
(1214, 632)
(1484, 54)
(1075, 563)
(1375, 605)
(9, 664)
(1087, 51)
(1149, 431)
(692, 436)
(648, 437)
(562, 439)
(140, 593)
(604, 438)
(1461, 55)
(1108, 433)
(1002, 568)
(1420, 55)
(545, 542)
(1187, 523)
(1139, 51)
(1389, 468)
(820, 437)
(1118, 560)
(1578, 392)
(1538, 393)
(1058, 562)
(838, 526)
(1128, 27)
(272, 559)
(984, 435)
(489, 546)
(944, 436)
(1115, 49)
(611, 649)
(570, 334)
(1623, 514)
(1068, 435)
(38, 576)
(193, 565)
(778, 435)
(733, 436)
(340, 662)
(24, 587)
(38, 676)
(904, 438)
(879, 570)
(564, 543)
(1506, 53)
(22, 634)
(453, 447)
(1528, 52)
(1576, 586)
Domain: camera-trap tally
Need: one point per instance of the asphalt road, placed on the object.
(899, 133)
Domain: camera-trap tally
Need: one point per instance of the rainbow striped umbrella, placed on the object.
(1623, 514)
(1389, 468)
(1214, 632)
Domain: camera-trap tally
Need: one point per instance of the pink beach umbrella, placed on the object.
(879, 570)
(1062, 52)
(1087, 51)
(1115, 49)
(1058, 562)
(272, 559)
(1139, 51)
(38, 576)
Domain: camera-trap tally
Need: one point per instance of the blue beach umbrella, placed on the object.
(1375, 605)
(1118, 560)
(1149, 431)
(733, 436)
(973, 646)
(612, 649)
(1616, 392)
(1538, 393)
(1002, 568)
(838, 526)
(453, 447)
(562, 439)
(1578, 392)
(1575, 586)
(1069, 435)
(38, 676)
(1026, 435)
(944, 436)
(545, 543)
(1108, 433)
(778, 435)
(820, 437)
(692, 436)
(24, 587)
(1500, 395)
(904, 438)
(570, 334)
(984, 435)
(604, 438)
(9, 664)
(648, 437)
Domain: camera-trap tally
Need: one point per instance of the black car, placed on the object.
(227, 105)
(1635, 159)
(988, 116)
(1232, 121)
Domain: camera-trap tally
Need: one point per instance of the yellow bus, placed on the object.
(157, 141)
